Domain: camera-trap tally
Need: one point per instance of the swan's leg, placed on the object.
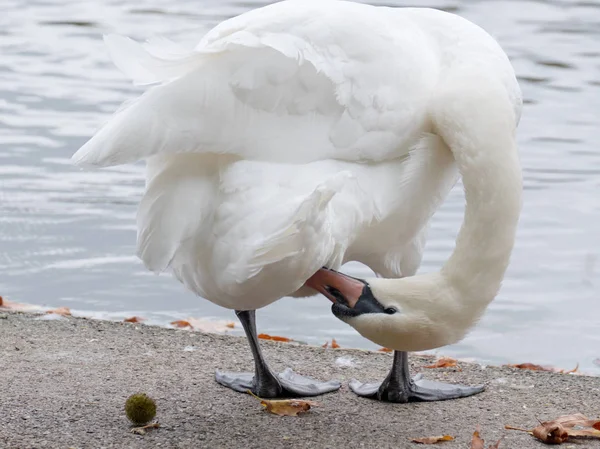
(399, 387)
(263, 382)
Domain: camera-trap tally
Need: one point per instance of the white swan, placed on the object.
(306, 134)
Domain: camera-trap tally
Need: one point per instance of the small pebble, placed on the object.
(346, 362)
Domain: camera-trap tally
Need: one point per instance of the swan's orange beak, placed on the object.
(337, 287)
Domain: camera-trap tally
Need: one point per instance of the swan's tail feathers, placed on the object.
(167, 118)
(156, 60)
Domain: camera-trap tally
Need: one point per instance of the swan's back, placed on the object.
(281, 143)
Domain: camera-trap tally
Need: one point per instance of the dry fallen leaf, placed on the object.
(285, 407)
(476, 441)
(444, 362)
(142, 430)
(230, 325)
(591, 432)
(432, 440)
(533, 367)
(63, 311)
(560, 429)
(530, 366)
(551, 433)
(274, 338)
(578, 419)
(334, 344)
(385, 350)
(133, 319)
(181, 323)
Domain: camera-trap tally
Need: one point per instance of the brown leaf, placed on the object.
(572, 371)
(551, 433)
(476, 441)
(591, 432)
(578, 419)
(133, 319)
(286, 407)
(531, 366)
(334, 344)
(63, 311)
(385, 350)
(181, 323)
(274, 338)
(230, 325)
(432, 440)
(586, 427)
(444, 362)
(560, 429)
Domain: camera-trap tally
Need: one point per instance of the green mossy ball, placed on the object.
(140, 409)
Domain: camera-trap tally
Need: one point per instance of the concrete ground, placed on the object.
(65, 382)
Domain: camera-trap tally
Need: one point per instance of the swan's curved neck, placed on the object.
(485, 242)
(486, 154)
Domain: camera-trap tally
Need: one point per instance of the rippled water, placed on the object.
(67, 237)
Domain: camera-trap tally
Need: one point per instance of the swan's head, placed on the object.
(410, 314)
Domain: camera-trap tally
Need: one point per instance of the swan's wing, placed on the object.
(247, 231)
(288, 82)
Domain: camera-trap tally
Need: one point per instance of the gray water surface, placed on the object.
(67, 237)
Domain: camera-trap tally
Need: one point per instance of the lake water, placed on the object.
(67, 237)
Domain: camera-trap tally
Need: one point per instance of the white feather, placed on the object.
(157, 60)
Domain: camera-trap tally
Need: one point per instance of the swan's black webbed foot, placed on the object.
(417, 389)
(263, 383)
(399, 387)
(286, 384)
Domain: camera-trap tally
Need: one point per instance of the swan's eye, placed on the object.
(390, 310)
